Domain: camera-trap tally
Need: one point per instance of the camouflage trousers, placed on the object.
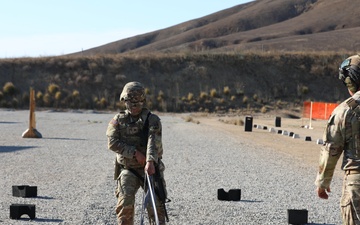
(350, 200)
(128, 185)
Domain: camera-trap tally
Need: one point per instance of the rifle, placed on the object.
(160, 190)
(148, 186)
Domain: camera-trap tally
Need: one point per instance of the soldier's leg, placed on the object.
(128, 184)
(350, 200)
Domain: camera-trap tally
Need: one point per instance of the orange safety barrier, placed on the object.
(318, 110)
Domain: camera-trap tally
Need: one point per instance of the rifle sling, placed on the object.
(141, 178)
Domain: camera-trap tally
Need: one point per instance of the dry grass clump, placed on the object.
(9, 88)
(191, 119)
(234, 121)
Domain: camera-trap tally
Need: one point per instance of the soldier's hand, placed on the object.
(322, 192)
(140, 158)
(150, 168)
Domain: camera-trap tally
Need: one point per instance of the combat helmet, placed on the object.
(133, 91)
(349, 73)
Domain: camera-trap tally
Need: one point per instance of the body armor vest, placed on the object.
(133, 133)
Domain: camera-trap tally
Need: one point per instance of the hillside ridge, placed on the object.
(260, 25)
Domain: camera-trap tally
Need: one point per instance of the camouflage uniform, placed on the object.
(342, 135)
(125, 136)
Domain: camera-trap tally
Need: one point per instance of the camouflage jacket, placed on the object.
(126, 135)
(341, 135)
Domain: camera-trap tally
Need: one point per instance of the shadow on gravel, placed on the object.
(251, 201)
(69, 139)
(8, 122)
(321, 224)
(4, 149)
(42, 220)
(44, 197)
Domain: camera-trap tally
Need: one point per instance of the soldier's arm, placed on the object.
(331, 150)
(114, 140)
(154, 144)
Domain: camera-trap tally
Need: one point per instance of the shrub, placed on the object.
(47, 99)
(161, 95)
(103, 103)
(1, 96)
(147, 91)
(39, 95)
(75, 94)
(264, 109)
(190, 96)
(192, 102)
(213, 93)
(226, 90)
(304, 90)
(188, 119)
(9, 88)
(159, 99)
(53, 88)
(58, 95)
(39, 98)
(203, 95)
(245, 100)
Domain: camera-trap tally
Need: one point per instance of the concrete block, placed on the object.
(272, 130)
(24, 191)
(17, 210)
(232, 195)
(296, 216)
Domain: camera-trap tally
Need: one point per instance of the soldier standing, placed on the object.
(342, 135)
(135, 136)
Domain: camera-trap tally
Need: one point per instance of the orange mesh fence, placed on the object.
(318, 110)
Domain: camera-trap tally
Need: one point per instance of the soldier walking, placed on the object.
(342, 135)
(135, 136)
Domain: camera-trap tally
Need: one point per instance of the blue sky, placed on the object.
(35, 28)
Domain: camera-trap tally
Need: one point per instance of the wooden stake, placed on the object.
(32, 132)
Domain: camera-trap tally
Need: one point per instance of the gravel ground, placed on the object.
(73, 171)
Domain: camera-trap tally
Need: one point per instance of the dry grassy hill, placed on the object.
(262, 25)
(260, 56)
